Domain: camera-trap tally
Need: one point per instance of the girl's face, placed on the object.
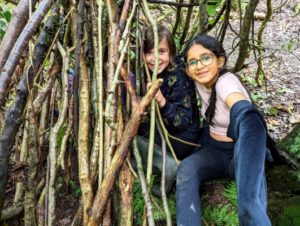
(202, 65)
(163, 56)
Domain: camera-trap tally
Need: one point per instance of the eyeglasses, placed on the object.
(205, 60)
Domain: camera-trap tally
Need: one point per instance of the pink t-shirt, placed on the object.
(226, 84)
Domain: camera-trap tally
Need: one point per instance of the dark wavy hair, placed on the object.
(214, 46)
(163, 32)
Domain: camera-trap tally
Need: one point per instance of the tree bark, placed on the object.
(16, 25)
(121, 153)
(20, 45)
(14, 114)
(83, 138)
(244, 35)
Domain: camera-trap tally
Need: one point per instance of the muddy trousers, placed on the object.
(245, 161)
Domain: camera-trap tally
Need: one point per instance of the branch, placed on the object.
(14, 114)
(163, 178)
(176, 4)
(15, 27)
(244, 35)
(186, 25)
(143, 183)
(113, 169)
(20, 45)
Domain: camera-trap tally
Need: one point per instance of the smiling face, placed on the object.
(164, 57)
(202, 65)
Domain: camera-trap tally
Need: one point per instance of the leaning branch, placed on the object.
(20, 45)
(15, 27)
(176, 4)
(113, 170)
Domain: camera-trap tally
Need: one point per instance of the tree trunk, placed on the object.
(244, 35)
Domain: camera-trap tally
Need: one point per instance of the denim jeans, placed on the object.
(244, 161)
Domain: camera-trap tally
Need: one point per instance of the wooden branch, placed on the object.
(260, 69)
(244, 35)
(142, 179)
(39, 100)
(53, 139)
(124, 14)
(15, 27)
(152, 107)
(163, 179)
(203, 22)
(83, 139)
(129, 88)
(178, 19)
(186, 25)
(78, 39)
(112, 88)
(130, 131)
(176, 4)
(14, 114)
(11, 212)
(225, 22)
(21, 44)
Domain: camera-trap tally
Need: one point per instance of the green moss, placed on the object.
(285, 212)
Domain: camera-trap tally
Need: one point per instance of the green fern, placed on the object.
(223, 215)
(158, 212)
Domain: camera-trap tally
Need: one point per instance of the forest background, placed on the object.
(63, 148)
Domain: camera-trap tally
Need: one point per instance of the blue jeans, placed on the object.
(220, 159)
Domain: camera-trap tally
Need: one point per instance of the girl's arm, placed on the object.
(178, 112)
(232, 98)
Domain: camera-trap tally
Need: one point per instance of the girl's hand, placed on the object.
(159, 97)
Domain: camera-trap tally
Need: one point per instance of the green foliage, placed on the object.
(158, 212)
(223, 215)
(5, 16)
(230, 192)
(75, 188)
(295, 146)
(291, 45)
(258, 97)
(212, 9)
(272, 111)
(292, 142)
(4, 20)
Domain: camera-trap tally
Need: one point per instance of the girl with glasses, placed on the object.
(234, 143)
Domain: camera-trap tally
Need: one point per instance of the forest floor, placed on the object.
(278, 98)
